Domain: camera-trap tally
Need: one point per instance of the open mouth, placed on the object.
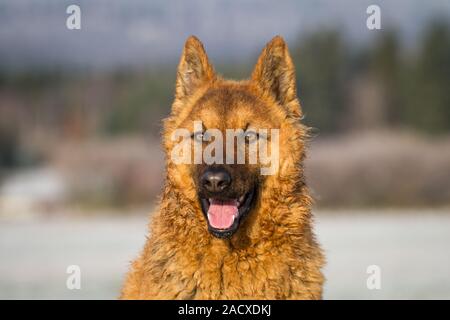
(225, 215)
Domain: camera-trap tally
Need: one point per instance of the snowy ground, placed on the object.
(412, 250)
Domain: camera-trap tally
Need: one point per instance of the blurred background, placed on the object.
(80, 116)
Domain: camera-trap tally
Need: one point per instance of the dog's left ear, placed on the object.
(275, 73)
(194, 68)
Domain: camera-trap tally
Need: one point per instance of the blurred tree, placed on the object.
(385, 66)
(140, 100)
(428, 91)
(320, 61)
(9, 153)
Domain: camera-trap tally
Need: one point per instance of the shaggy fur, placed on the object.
(273, 254)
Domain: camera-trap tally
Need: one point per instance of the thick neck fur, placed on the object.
(275, 241)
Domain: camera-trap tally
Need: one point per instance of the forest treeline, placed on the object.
(342, 88)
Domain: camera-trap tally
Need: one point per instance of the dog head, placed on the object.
(218, 129)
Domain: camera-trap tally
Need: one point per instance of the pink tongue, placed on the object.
(221, 213)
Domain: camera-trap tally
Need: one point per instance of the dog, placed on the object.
(225, 230)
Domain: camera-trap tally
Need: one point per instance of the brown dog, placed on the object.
(225, 231)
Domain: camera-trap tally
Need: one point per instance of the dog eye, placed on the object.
(198, 136)
(251, 136)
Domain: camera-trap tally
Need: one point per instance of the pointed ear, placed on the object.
(275, 74)
(194, 68)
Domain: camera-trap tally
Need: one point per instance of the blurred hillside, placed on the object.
(380, 113)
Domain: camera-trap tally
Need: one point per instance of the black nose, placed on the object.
(215, 180)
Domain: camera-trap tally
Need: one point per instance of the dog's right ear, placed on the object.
(194, 69)
(275, 74)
